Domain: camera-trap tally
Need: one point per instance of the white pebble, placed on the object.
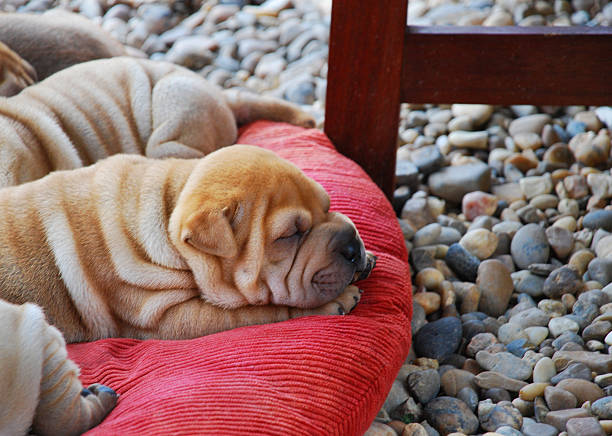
(558, 326)
(544, 370)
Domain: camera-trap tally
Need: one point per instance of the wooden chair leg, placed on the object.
(363, 84)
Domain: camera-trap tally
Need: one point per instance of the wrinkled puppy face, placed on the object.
(255, 230)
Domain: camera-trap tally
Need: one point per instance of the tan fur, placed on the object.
(15, 72)
(174, 248)
(40, 385)
(122, 105)
(55, 40)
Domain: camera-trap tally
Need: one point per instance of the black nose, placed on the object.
(351, 251)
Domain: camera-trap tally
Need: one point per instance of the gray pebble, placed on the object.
(529, 245)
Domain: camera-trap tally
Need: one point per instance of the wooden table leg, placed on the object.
(363, 84)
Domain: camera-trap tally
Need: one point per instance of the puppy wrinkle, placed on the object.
(92, 309)
(128, 257)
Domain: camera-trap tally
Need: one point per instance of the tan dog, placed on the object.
(123, 105)
(42, 44)
(40, 385)
(174, 248)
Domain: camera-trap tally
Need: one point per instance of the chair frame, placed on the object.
(376, 62)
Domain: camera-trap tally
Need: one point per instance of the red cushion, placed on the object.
(312, 376)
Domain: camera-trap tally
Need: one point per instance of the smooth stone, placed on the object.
(452, 183)
(480, 242)
(424, 385)
(495, 284)
(597, 331)
(427, 159)
(462, 262)
(600, 270)
(527, 283)
(531, 391)
(584, 427)
(561, 241)
(600, 184)
(585, 310)
(602, 408)
(414, 429)
(545, 201)
(479, 341)
(544, 370)
(573, 371)
(379, 429)
(527, 140)
(427, 235)
(536, 185)
(429, 278)
(529, 246)
(508, 227)
(559, 418)
(598, 362)
(469, 397)
(560, 325)
(510, 332)
(533, 428)
(505, 363)
(449, 236)
(466, 139)
(583, 390)
(499, 415)
(554, 308)
(478, 203)
(453, 380)
(565, 338)
(496, 380)
(406, 173)
(430, 301)
(533, 317)
(448, 415)
(599, 219)
(604, 247)
(536, 335)
(416, 211)
(559, 399)
(478, 113)
(590, 149)
(576, 186)
(438, 339)
(529, 123)
(561, 281)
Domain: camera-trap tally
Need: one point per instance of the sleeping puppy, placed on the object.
(41, 390)
(43, 44)
(123, 105)
(177, 248)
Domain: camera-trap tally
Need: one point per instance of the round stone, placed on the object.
(427, 235)
(544, 370)
(527, 140)
(452, 183)
(561, 240)
(504, 363)
(480, 242)
(603, 408)
(430, 278)
(532, 390)
(438, 339)
(499, 415)
(529, 123)
(430, 301)
(560, 325)
(561, 281)
(529, 246)
(495, 285)
(465, 139)
(536, 335)
(599, 219)
(462, 262)
(478, 203)
(448, 415)
(478, 113)
(510, 332)
(536, 185)
(583, 390)
(559, 399)
(453, 380)
(424, 385)
(530, 318)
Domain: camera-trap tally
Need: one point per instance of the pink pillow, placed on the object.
(309, 376)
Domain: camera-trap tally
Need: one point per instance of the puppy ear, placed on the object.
(210, 231)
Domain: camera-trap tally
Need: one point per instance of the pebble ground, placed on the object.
(506, 211)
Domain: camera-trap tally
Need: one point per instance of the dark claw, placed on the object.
(341, 311)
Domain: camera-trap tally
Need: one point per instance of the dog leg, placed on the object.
(15, 72)
(196, 317)
(64, 407)
(189, 118)
(249, 107)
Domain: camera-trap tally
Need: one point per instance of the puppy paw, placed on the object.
(342, 305)
(102, 400)
(303, 119)
(15, 72)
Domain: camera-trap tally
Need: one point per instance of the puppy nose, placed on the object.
(351, 251)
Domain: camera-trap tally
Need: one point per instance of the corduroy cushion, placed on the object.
(309, 376)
